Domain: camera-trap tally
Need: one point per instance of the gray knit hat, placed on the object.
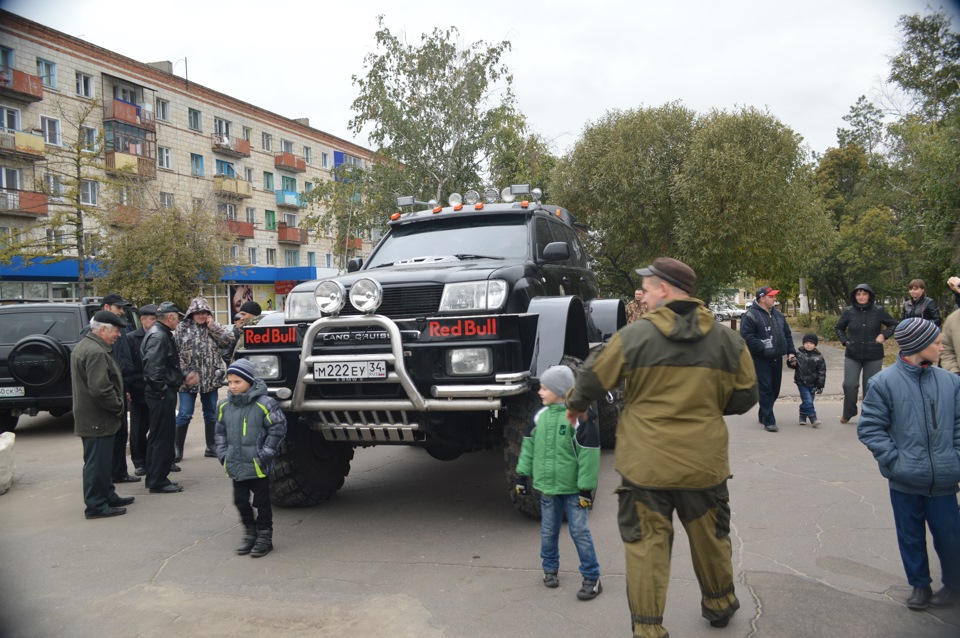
(243, 369)
(915, 334)
(558, 379)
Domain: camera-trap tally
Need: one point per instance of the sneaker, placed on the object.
(816, 423)
(590, 589)
(803, 420)
(771, 428)
(551, 580)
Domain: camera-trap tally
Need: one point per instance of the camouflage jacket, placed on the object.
(200, 346)
(635, 310)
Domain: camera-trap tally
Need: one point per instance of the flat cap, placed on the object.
(116, 300)
(673, 271)
(168, 307)
(105, 316)
(150, 310)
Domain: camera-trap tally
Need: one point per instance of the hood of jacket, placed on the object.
(258, 389)
(853, 295)
(684, 320)
(197, 304)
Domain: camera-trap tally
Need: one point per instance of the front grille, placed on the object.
(406, 301)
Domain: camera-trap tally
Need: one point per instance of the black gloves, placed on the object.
(586, 499)
(819, 390)
(523, 486)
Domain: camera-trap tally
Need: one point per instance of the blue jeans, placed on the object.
(912, 514)
(807, 394)
(208, 403)
(553, 508)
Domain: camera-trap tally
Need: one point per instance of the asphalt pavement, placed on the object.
(415, 547)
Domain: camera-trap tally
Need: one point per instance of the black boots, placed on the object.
(209, 434)
(919, 599)
(264, 544)
(178, 444)
(249, 538)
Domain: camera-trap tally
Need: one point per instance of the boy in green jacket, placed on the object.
(565, 464)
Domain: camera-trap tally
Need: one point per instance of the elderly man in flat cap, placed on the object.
(98, 412)
(769, 338)
(683, 372)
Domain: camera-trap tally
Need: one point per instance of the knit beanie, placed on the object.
(243, 369)
(251, 307)
(915, 334)
(558, 379)
(811, 337)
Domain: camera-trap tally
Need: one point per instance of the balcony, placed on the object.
(288, 235)
(242, 230)
(22, 203)
(353, 243)
(226, 145)
(18, 85)
(289, 199)
(290, 162)
(124, 216)
(232, 187)
(129, 113)
(22, 145)
(133, 165)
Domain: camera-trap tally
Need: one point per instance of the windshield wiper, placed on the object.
(463, 257)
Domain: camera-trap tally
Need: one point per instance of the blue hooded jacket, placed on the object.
(250, 427)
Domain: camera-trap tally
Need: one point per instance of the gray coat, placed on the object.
(250, 427)
(97, 388)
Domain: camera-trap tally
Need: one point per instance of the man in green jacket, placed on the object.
(682, 371)
(98, 412)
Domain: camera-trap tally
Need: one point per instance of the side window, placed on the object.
(542, 230)
(576, 250)
(558, 231)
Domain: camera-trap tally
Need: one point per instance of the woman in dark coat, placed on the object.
(861, 330)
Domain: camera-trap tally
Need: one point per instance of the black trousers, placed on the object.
(260, 487)
(160, 438)
(119, 464)
(98, 490)
(769, 374)
(139, 426)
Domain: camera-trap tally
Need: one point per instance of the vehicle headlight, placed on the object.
(331, 295)
(469, 361)
(301, 306)
(265, 366)
(366, 295)
(474, 295)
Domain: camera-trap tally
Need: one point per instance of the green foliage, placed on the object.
(928, 65)
(866, 121)
(826, 325)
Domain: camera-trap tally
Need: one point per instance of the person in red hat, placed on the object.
(768, 336)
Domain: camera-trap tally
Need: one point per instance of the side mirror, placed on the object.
(354, 264)
(556, 251)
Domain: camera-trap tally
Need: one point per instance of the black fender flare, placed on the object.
(561, 330)
(604, 318)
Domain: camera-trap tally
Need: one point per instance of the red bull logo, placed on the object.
(264, 336)
(470, 328)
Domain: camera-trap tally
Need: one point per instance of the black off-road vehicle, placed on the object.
(436, 341)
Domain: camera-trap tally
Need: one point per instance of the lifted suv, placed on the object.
(436, 341)
(36, 340)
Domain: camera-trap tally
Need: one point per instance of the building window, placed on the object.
(164, 158)
(228, 211)
(328, 260)
(163, 110)
(266, 141)
(91, 244)
(247, 133)
(270, 220)
(312, 259)
(252, 255)
(6, 59)
(251, 215)
(166, 200)
(10, 179)
(55, 240)
(292, 258)
(51, 130)
(225, 168)
(290, 219)
(289, 183)
(196, 165)
(286, 146)
(123, 196)
(234, 253)
(193, 120)
(52, 186)
(248, 174)
(307, 186)
(48, 73)
(197, 203)
(84, 85)
(271, 256)
(267, 181)
(10, 118)
(222, 128)
(89, 190)
(307, 154)
(88, 139)
(324, 160)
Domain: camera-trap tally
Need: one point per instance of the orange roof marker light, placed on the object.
(456, 201)
(395, 216)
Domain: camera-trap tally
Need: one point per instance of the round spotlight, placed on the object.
(366, 295)
(454, 199)
(433, 203)
(491, 196)
(331, 296)
(471, 197)
(507, 196)
(536, 194)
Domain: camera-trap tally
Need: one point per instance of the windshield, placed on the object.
(494, 237)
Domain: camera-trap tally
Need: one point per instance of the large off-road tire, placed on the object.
(7, 421)
(309, 470)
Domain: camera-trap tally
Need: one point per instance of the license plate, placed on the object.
(15, 391)
(350, 370)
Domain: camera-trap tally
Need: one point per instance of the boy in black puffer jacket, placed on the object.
(810, 376)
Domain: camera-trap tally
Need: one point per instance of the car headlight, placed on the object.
(468, 361)
(301, 306)
(331, 295)
(265, 366)
(474, 295)
(366, 295)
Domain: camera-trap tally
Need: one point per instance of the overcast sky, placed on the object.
(806, 62)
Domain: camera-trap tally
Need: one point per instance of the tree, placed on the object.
(521, 157)
(866, 120)
(435, 109)
(927, 67)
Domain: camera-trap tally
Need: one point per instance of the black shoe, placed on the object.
(209, 454)
(139, 470)
(248, 541)
(919, 599)
(127, 479)
(174, 467)
(122, 500)
(590, 589)
(946, 597)
(771, 428)
(720, 623)
(173, 488)
(107, 512)
(264, 544)
(551, 580)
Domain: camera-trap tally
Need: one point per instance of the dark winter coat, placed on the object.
(811, 369)
(136, 386)
(925, 308)
(161, 362)
(97, 388)
(250, 427)
(858, 327)
(767, 334)
(910, 421)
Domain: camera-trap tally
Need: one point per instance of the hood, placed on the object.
(853, 294)
(258, 389)
(433, 273)
(682, 320)
(196, 305)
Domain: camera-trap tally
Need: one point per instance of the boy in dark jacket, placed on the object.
(250, 426)
(810, 375)
(565, 463)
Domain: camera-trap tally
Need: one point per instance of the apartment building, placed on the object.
(187, 145)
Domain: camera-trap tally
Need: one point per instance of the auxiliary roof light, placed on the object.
(407, 200)
(491, 195)
(519, 189)
(454, 199)
(536, 194)
(395, 216)
(507, 196)
(471, 197)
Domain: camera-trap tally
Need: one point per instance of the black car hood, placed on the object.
(419, 274)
